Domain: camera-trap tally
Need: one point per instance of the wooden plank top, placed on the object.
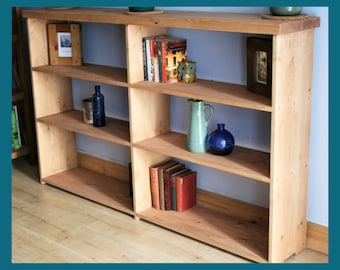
(215, 21)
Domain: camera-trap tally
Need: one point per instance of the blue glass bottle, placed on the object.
(220, 141)
(98, 108)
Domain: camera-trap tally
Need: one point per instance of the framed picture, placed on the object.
(64, 43)
(259, 65)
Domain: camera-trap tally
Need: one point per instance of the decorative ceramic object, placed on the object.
(141, 9)
(285, 11)
(187, 71)
(221, 141)
(198, 123)
(87, 110)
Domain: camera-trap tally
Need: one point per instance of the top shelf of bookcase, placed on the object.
(215, 21)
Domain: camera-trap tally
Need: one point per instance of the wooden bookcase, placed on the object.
(21, 93)
(261, 235)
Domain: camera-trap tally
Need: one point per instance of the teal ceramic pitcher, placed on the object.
(198, 125)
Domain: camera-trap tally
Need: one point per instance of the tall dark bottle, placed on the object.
(98, 108)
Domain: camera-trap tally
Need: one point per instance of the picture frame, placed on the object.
(259, 65)
(64, 41)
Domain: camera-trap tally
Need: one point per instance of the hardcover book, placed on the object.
(186, 191)
(173, 51)
(161, 182)
(154, 188)
(154, 181)
(16, 138)
(173, 187)
(167, 189)
(147, 56)
(155, 59)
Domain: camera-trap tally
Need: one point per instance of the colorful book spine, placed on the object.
(173, 52)
(144, 60)
(147, 42)
(16, 138)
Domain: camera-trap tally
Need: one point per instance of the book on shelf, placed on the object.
(186, 191)
(167, 189)
(154, 184)
(161, 182)
(173, 187)
(147, 47)
(155, 59)
(171, 52)
(16, 136)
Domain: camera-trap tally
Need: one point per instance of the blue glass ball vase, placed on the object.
(220, 141)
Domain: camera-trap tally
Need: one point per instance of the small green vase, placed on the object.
(141, 9)
(285, 11)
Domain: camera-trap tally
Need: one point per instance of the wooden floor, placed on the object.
(51, 225)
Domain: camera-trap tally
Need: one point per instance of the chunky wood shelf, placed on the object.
(242, 161)
(18, 96)
(23, 151)
(219, 92)
(115, 130)
(275, 233)
(94, 186)
(226, 232)
(228, 22)
(97, 73)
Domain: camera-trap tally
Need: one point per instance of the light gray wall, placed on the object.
(219, 56)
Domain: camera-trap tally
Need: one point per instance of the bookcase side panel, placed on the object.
(38, 43)
(292, 84)
(149, 114)
(52, 94)
(57, 150)
(149, 111)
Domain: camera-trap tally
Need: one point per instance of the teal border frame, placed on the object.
(5, 153)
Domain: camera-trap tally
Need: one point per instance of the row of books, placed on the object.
(162, 55)
(173, 186)
(16, 134)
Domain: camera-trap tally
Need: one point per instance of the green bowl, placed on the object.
(285, 11)
(141, 9)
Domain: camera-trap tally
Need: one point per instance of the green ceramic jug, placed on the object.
(198, 125)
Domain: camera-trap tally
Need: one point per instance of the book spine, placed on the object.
(167, 185)
(16, 138)
(161, 189)
(148, 60)
(179, 194)
(154, 188)
(164, 54)
(160, 60)
(144, 60)
(173, 193)
(154, 60)
(167, 194)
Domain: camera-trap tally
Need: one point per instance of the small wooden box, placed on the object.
(259, 65)
(64, 41)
